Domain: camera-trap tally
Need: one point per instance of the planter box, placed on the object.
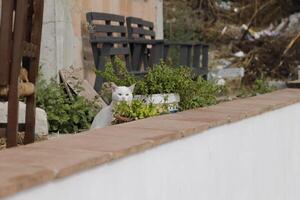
(171, 99)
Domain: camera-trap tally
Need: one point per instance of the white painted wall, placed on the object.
(254, 159)
(159, 19)
(58, 39)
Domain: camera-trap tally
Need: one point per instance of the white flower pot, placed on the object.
(171, 99)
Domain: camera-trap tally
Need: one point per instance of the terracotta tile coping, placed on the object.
(28, 166)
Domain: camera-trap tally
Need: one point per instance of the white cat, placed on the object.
(105, 116)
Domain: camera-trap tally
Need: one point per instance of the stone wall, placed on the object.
(65, 41)
(246, 149)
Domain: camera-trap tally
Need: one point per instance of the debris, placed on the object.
(291, 44)
(229, 73)
(231, 77)
(41, 122)
(67, 88)
(222, 64)
(249, 34)
(224, 30)
(254, 16)
(267, 45)
(293, 84)
(225, 5)
(264, 58)
(287, 25)
(239, 54)
(75, 84)
(277, 84)
(221, 82)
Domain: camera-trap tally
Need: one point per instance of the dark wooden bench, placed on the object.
(141, 35)
(145, 49)
(108, 39)
(194, 55)
(138, 45)
(20, 39)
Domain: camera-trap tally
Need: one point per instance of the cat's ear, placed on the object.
(113, 86)
(132, 87)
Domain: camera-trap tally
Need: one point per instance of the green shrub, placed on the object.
(65, 115)
(199, 93)
(260, 86)
(116, 71)
(165, 78)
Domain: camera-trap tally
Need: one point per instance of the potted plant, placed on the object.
(161, 85)
(170, 99)
(137, 109)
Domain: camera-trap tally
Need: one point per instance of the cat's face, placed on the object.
(122, 93)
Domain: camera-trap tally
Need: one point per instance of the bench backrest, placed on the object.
(139, 28)
(108, 39)
(143, 45)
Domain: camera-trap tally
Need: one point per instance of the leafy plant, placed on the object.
(116, 71)
(65, 115)
(199, 93)
(166, 78)
(260, 86)
(138, 110)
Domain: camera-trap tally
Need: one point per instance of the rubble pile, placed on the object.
(261, 36)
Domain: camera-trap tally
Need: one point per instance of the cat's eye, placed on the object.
(127, 94)
(120, 94)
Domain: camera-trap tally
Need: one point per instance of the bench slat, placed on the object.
(143, 31)
(139, 21)
(200, 71)
(106, 39)
(119, 51)
(104, 16)
(109, 29)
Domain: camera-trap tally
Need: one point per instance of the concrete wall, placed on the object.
(257, 158)
(64, 33)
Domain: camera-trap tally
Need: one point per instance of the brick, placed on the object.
(61, 161)
(185, 128)
(157, 137)
(202, 116)
(15, 178)
(117, 147)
